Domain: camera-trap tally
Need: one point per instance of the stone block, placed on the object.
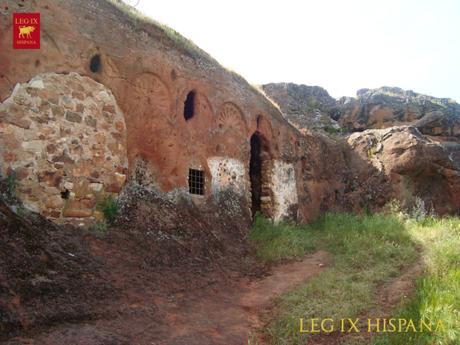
(77, 209)
(96, 187)
(54, 202)
(73, 117)
(37, 84)
(35, 146)
(19, 122)
(68, 185)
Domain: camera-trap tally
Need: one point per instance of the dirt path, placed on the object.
(216, 315)
(388, 297)
(229, 315)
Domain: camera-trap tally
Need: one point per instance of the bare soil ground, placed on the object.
(223, 312)
(163, 275)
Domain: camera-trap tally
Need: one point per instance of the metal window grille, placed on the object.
(196, 181)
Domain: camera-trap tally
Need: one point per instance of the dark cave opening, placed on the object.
(189, 106)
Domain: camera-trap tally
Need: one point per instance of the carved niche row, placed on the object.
(150, 87)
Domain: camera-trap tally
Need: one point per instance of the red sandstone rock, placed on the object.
(179, 110)
(415, 166)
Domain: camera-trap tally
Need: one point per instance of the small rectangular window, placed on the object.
(196, 181)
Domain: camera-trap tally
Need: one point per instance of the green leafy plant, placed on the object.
(332, 130)
(12, 183)
(100, 228)
(108, 205)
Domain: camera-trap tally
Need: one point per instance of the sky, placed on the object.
(341, 45)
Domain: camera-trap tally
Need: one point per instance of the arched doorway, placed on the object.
(258, 171)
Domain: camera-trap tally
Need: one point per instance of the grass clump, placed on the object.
(100, 228)
(367, 250)
(108, 205)
(278, 242)
(437, 293)
(12, 183)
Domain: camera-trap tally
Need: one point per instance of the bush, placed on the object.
(12, 183)
(100, 228)
(108, 205)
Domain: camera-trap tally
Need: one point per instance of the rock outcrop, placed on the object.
(183, 114)
(158, 111)
(47, 274)
(306, 107)
(414, 166)
(391, 106)
(65, 284)
(114, 104)
(311, 107)
(404, 146)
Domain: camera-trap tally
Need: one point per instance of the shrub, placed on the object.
(100, 228)
(12, 183)
(333, 130)
(108, 205)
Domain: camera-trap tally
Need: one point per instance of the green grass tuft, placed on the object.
(367, 250)
(437, 294)
(12, 183)
(108, 206)
(278, 242)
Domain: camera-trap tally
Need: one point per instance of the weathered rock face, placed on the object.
(47, 272)
(63, 138)
(400, 162)
(304, 106)
(311, 107)
(414, 166)
(387, 107)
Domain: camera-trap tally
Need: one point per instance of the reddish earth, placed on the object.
(163, 274)
(174, 283)
(216, 314)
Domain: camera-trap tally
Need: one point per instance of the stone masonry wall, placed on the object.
(284, 191)
(63, 138)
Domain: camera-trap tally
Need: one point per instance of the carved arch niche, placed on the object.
(151, 96)
(231, 130)
(148, 110)
(231, 120)
(149, 99)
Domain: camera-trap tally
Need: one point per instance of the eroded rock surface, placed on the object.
(415, 166)
(390, 106)
(306, 107)
(311, 107)
(416, 156)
